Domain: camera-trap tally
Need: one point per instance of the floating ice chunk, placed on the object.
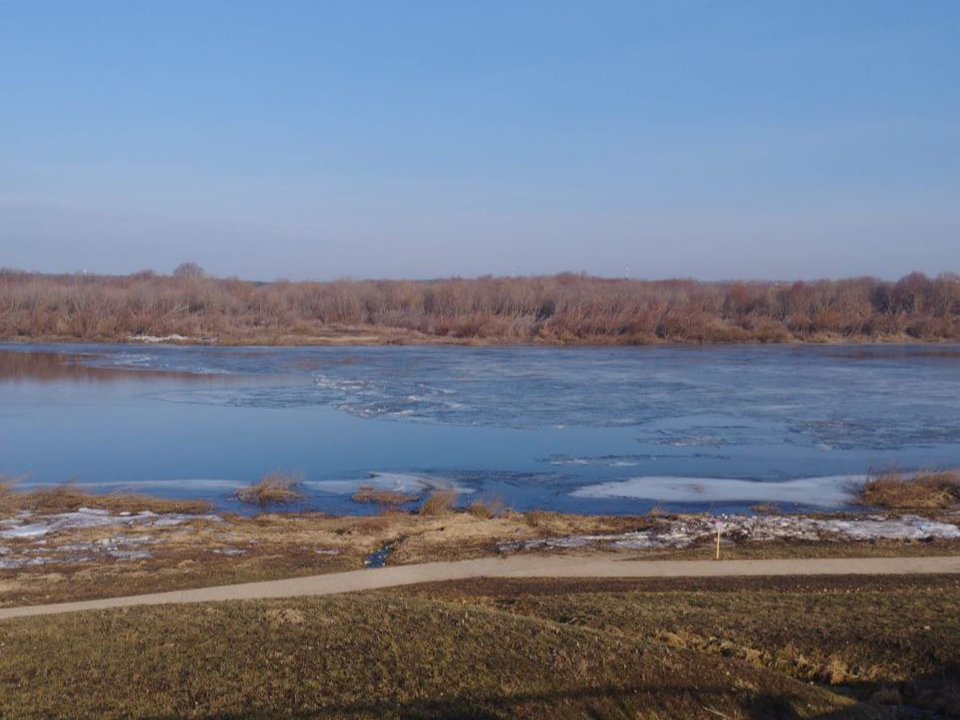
(390, 482)
(828, 491)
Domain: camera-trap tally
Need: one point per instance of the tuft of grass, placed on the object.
(276, 488)
(486, 509)
(386, 500)
(69, 498)
(657, 511)
(766, 508)
(923, 491)
(440, 502)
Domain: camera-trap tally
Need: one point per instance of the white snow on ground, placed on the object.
(26, 525)
(828, 491)
(36, 528)
(683, 532)
(390, 482)
(152, 339)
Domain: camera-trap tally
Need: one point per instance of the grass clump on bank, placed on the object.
(894, 490)
(440, 502)
(70, 498)
(276, 488)
(386, 500)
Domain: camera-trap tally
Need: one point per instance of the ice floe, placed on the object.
(390, 482)
(827, 491)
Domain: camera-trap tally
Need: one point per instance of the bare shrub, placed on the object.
(487, 509)
(276, 488)
(926, 490)
(565, 308)
(440, 502)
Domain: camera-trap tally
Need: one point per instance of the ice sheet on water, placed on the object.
(749, 395)
(407, 484)
(829, 491)
(615, 461)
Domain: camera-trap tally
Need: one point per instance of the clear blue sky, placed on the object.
(721, 139)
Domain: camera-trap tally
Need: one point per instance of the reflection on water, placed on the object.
(591, 429)
(33, 366)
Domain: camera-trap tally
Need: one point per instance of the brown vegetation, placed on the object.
(276, 488)
(923, 491)
(889, 639)
(440, 502)
(373, 657)
(487, 509)
(386, 500)
(69, 498)
(560, 309)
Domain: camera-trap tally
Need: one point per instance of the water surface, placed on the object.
(586, 429)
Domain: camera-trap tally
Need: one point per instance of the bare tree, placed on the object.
(189, 270)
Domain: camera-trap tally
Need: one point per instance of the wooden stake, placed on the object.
(719, 529)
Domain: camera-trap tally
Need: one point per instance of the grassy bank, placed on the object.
(889, 639)
(561, 309)
(528, 649)
(369, 657)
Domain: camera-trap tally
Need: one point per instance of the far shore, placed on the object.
(564, 309)
(365, 337)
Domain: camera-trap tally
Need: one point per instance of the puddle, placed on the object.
(378, 558)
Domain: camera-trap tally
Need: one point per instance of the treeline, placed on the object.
(565, 308)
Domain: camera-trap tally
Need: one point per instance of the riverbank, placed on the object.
(852, 645)
(72, 552)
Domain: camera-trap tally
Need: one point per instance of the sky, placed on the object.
(720, 139)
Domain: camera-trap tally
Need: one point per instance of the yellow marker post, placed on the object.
(719, 530)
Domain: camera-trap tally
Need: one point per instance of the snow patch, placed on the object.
(683, 532)
(26, 526)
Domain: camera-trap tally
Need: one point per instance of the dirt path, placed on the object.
(516, 566)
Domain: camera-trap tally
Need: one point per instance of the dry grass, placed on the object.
(924, 491)
(870, 634)
(372, 657)
(70, 498)
(386, 500)
(766, 509)
(440, 502)
(657, 511)
(276, 488)
(487, 509)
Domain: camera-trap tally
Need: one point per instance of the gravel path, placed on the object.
(518, 566)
